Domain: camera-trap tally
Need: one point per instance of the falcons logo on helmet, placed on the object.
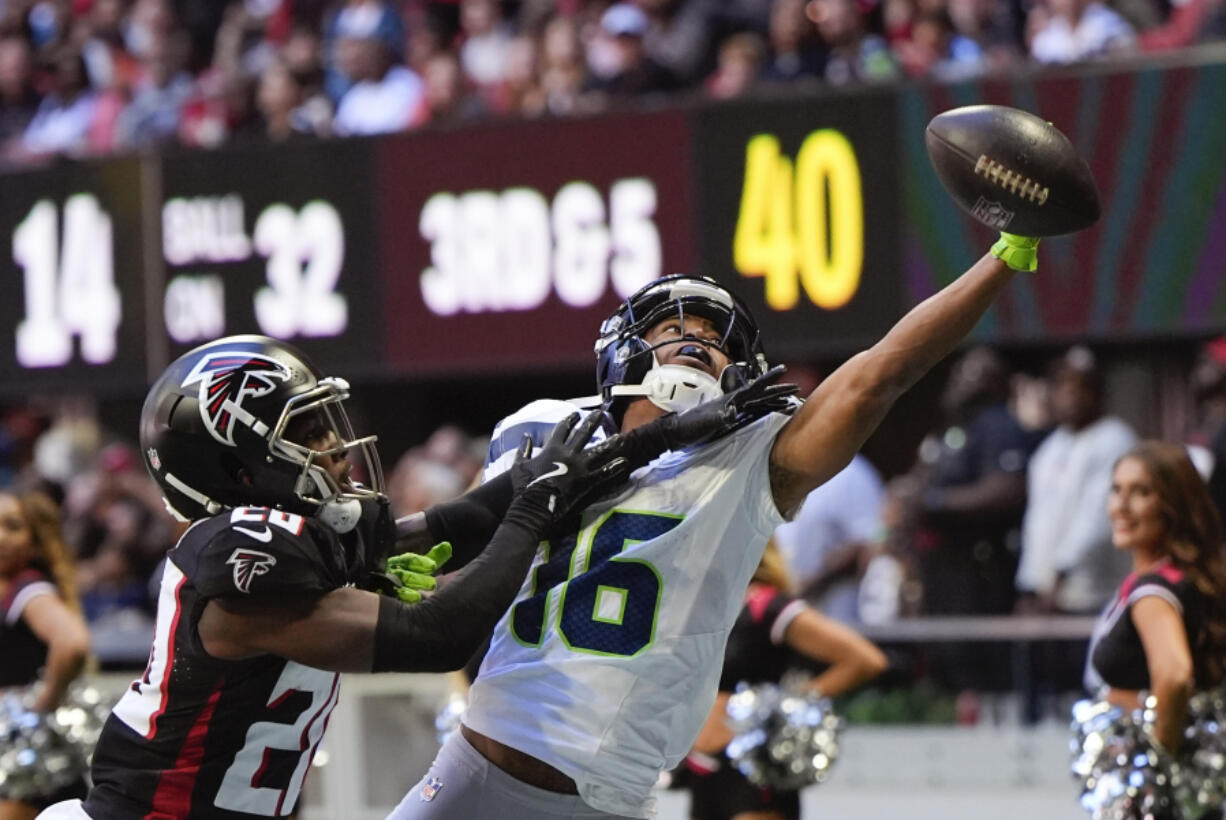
(248, 564)
(227, 378)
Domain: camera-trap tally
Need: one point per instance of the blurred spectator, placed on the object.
(18, 99)
(149, 23)
(794, 51)
(971, 493)
(1067, 563)
(152, 116)
(830, 541)
(520, 91)
(1209, 393)
(563, 71)
(355, 21)
(114, 518)
(445, 100)
(437, 471)
(855, 55)
(112, 69)
(741, 57)
(968, 497)
(302, 55)
(222, 110)
(47, 22)
(679, 38)
(1187, 23)
(485, 43)
(1073, 30)
(279, 100)
(620, 66)
(65, 116)
(384, 97)
(935, 50)
(993, 26)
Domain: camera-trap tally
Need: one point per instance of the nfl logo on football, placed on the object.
(992, 214)
(430, 788)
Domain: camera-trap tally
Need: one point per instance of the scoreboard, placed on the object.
(486, 250)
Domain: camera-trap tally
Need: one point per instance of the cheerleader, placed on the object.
(1165, 633)
(43, 638)
(772, 628)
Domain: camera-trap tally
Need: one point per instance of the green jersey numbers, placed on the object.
(608, 604)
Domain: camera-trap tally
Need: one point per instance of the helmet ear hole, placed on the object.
(234, 469)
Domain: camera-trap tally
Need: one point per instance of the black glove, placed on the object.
(709, 420)
(563, 478)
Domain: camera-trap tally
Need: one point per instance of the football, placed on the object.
(1012, 171)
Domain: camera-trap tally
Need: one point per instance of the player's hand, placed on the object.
(1018, 252)
(564, 477)
(409, 573)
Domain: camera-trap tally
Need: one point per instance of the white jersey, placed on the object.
(607, 664)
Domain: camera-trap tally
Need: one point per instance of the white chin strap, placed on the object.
(673, 387)
(341, 514)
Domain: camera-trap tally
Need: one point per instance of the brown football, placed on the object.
(1012, 171)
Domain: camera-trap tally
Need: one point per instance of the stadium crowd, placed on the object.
(85, 77)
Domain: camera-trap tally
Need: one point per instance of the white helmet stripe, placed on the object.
(210, 506)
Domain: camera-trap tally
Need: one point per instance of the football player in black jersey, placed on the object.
(259, 607)
(261, 602)
(1166, 630)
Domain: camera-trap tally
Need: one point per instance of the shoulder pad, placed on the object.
(536, 419)
(256, 551)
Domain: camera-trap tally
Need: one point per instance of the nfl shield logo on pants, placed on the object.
(430, 788)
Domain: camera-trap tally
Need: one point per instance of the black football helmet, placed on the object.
(230, 424)
(626, 365)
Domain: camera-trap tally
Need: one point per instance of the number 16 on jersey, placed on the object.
(610, 606)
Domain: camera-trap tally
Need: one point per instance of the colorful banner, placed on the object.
(1155, 262)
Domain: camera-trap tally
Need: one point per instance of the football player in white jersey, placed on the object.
(602, 672)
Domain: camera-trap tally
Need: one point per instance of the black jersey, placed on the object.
(756, 652)
(1117, 656)
(24, 654)
(198, 737)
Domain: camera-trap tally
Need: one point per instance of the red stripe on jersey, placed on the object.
(758, 599)
(1170, 573)
(173, 798)
(306, 731)
(259, 773)
(170, 661)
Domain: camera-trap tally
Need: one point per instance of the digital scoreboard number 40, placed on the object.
(801, 224)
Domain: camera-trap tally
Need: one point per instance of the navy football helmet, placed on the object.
(231, 423)
(626, 365)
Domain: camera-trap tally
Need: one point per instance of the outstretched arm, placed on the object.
(845, 409)
(351, 630)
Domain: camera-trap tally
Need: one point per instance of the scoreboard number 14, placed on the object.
(69, 284)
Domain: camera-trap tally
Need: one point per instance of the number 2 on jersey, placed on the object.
(608, 609)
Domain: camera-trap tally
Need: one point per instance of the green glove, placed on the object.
(1018, 252)
(413, 572)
